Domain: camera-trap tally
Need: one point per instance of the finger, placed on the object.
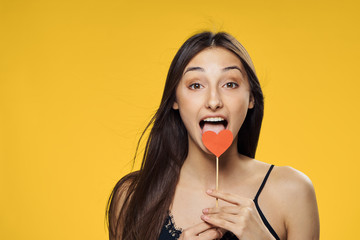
(233, 218)
(225, 209)
(230, 198)
(221, 222)
(210, 234)
(198, 228)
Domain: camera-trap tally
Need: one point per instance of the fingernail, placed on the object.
(209, 191)
(204, 217)
(205, 210)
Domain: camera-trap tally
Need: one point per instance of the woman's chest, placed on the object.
(188, 205)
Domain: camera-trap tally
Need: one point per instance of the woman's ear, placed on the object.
(251, 102)
(175, 106)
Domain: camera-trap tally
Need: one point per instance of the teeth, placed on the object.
(214, 119)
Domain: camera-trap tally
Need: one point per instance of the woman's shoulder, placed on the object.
(293, 195)
(283, 177)
(295, 192)
(291, 180)
(295, 199)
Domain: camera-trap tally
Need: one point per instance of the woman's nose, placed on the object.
(214, 100)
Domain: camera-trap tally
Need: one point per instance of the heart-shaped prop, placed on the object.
(217, 143)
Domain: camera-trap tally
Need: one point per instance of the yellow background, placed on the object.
(80, 79)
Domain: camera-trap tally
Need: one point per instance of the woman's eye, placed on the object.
(195, 86)
(231, 85)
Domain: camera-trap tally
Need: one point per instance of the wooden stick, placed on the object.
(217, 179)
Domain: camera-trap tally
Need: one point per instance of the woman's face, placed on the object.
(213, 94)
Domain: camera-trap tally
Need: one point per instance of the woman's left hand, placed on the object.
(241, 218)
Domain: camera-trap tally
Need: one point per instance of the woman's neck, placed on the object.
(199, 168)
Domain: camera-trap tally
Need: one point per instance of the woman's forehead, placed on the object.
(214, 57)
(218, 58)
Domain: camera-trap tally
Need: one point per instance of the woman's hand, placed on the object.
(242, 218)
(201, 231)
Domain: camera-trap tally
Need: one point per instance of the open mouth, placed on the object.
(215, 124)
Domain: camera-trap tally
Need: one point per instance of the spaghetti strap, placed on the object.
(263, 183)
(267, 224)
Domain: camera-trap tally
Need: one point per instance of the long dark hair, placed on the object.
(140, 201)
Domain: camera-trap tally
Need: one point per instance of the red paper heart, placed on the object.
(217, 143)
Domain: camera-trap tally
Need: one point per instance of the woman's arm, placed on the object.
(300, 206)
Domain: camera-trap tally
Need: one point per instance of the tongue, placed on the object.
(213, 127)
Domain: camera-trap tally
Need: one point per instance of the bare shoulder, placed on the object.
(286, 180)
(296, 193)
(292, 186)
(292, 180)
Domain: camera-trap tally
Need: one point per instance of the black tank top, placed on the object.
(171, 232)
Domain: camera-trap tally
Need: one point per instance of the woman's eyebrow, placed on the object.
(194, 69)
(232, 67)
(203, 70)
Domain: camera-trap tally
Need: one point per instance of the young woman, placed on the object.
(211, 86)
